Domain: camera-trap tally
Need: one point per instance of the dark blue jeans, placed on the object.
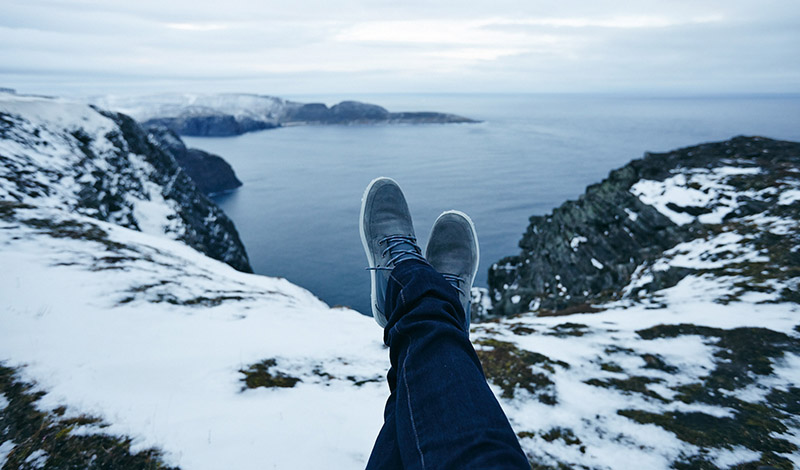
(441, 413)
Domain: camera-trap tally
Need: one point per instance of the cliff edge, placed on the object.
(737, 201)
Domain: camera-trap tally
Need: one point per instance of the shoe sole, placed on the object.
(474, 236)
(372, 273)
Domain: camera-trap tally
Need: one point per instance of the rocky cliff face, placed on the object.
(210, 173)
(604, 245)
(210, 125)
(70, 156)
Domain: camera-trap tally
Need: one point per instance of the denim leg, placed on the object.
(386, 454)
(446, 416)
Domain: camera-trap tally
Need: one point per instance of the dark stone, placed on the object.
(354, 111)
(428, 118)
(311, 112)
(210, 125)
(209, 172)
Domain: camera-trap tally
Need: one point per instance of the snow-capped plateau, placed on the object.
(122, 346)
(240, 105)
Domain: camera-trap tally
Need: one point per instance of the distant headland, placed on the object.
(230, 114)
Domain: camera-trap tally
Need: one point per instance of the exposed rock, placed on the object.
(354, 112)
(311, 112)
(588, 250)
(210, 125)
(211, 173)
(425, 117)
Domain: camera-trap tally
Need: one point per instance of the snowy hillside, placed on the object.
(150, 336)
(122, 347)
(68, 155)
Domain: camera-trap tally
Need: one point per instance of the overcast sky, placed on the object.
(350, 46)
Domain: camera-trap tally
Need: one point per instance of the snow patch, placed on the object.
(576, 241)
(631, 215)
(789, 196)
(697, 189)
(714, 252)
(154, 214)
(5, 449)
(729, 457)
(37, 458)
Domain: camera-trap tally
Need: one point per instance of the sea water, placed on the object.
(297, 212)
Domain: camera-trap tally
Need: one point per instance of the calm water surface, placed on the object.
(297, 212)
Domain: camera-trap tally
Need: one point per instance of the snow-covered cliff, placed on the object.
(69, 155)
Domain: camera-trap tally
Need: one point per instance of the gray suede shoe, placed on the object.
(453, 251)
(387, 234)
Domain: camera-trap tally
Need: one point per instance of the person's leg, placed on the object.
(385, 453)
(446, 415)
(441, 412)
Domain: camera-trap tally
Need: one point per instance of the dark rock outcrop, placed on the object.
(311, 112)
(210, 125)
(587, 250)
(354, 112)
(210, 172)
(426, 117)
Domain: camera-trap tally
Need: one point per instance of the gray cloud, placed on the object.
(82, 46)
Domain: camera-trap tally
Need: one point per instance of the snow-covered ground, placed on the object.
(152, 337)
(131, 333)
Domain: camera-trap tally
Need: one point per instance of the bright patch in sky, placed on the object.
(197, 26)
